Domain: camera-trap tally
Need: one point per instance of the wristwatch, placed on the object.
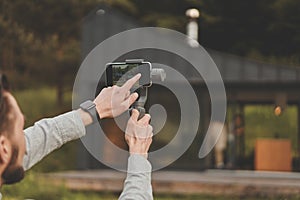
(90, 107)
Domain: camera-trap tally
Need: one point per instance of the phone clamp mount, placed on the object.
(157, 74)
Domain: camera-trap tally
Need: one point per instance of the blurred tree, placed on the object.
(41, 39)
(163, 13)
(268, 28)
(285, 29)
(233, 26)
(127, 6)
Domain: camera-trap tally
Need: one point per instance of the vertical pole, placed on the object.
(242, 108)
(297, 167)
(205, 114)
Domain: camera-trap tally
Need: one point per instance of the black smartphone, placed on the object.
(119, 72)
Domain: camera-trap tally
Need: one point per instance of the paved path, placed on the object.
(182, 182)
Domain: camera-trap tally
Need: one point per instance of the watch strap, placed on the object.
(90, 107)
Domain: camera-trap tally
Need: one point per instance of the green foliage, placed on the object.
(165, 20)
(35, 186)
(40, 40)
(124, 5)
(267, 26)
(39, 103)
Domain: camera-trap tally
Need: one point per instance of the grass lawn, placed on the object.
(40, 103)
(33, 187)
(36, 188)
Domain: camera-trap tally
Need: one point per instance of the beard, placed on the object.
(13, 173)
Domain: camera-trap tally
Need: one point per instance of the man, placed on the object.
(20, 150)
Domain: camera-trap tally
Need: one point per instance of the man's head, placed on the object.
(12, 140)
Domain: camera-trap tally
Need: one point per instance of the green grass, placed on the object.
(35, 187)
(40, 103)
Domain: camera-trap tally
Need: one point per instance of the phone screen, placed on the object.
(122, 73)
(119, 73)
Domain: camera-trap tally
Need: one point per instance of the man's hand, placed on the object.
(113, 101)
(139, 134)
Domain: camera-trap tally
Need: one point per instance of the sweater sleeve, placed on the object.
(47, 135)
(137, 185)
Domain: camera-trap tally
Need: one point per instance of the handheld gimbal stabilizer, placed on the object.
(119, 72)
(157, 74)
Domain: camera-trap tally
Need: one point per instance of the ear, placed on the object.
(5, 150)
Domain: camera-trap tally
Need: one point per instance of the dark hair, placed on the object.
(5, 107)
(13, 173)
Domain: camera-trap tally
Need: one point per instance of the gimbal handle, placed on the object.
(139, 104)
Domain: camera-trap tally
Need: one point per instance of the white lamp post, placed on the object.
(192, 27)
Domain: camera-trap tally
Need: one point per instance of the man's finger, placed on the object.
(134, 115)
(127, 94)
(132, 98)
(126, 87)
(150, 131)
(145, 120)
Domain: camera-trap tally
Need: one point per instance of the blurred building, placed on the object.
(246, 82)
